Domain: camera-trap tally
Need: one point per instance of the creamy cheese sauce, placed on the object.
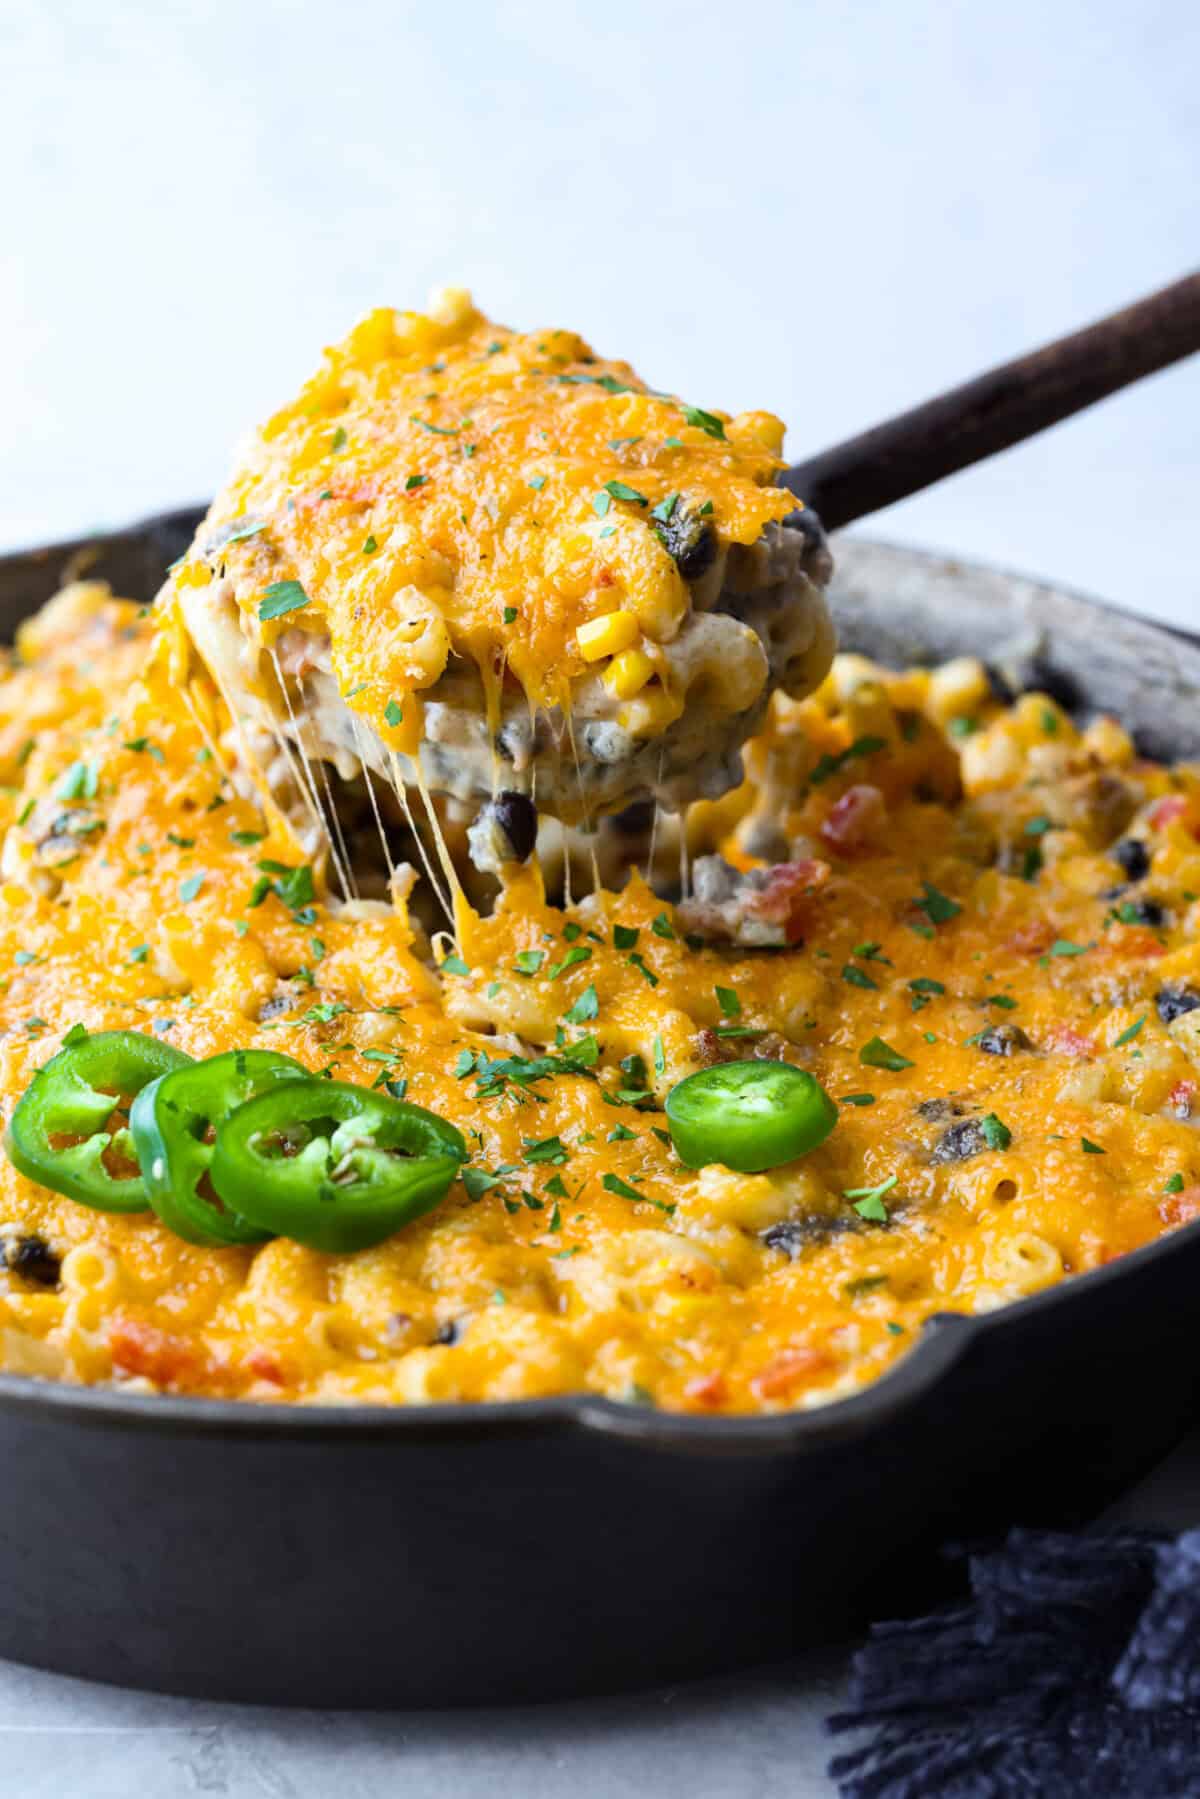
(977, 925)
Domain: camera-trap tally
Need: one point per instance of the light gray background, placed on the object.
(829, 210)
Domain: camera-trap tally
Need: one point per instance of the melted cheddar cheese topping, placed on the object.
(1006, 1012)
(444, 486)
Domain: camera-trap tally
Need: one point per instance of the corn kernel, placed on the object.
(628, 673)
(607, 636)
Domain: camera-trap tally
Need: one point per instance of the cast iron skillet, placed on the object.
(450, 1555)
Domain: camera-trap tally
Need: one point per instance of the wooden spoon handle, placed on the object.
(999, 409)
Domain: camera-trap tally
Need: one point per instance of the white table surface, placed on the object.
(833, 212)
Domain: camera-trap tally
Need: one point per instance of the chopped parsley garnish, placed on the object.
(728, 1001)
(621, 1133)
(281, 597)
(1091, 1149)
(858, 977)
(454, 965)
(612, 1183)
(665, 508)
(144, 745)
(293, 886)
(828, 765)
(857, 1099)
(621, 490)
(338, 440)
(647, 974)
(704, 421)
(579, 952)
(868, 1201)
(585, 1007)
(662, 927)
(545, 1149)
(1174, 1184)
(437, 430)
(1062, 946)
(369, 546)
(79, 782)
(878, 1054)
(996, 1134)
(478, 1181)
(937, 907)
(1130, 1032)
(528, 961)
(415, 481)
(510, 615)
(242, 535)
(625, 936)
(190, 888)
(393, 713)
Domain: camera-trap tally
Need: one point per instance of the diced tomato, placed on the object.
(790, 1368)
(707, 1390)
(1070, 1042)
(1167, 811)
(1131, 940)
(784, 899)
(1032, 939)
(1181, 1208)
(1181, 1096)
(854, 820)
(139, 1347)
(264, 1364)
(605, 577)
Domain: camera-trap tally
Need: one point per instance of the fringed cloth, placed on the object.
(1073, 1672)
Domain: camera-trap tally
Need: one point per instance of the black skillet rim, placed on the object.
(940, 1346)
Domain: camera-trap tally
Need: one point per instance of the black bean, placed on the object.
(690, 539)
(960, 1142)
(516, 815)
(1174, 1000)
(633, 820)
(33, 1259)
(275, 1007)
(451, 1332)
(1002, 1040)
(1034, 674)
(809, 525)
(1142, 911)
(936, 1110)
(794, 1234)
(1133, 856)
(1001, 687)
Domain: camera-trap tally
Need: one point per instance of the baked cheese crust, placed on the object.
(979, 928)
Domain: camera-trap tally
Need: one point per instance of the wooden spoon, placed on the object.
(999, 409)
